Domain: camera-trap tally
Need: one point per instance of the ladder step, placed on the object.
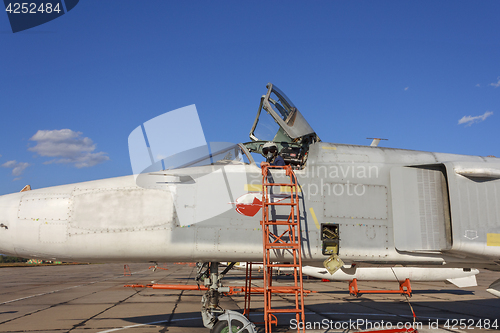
(282, 222)
(283, 288)
(284, 311)
(280, 203)
(284, 265)
(278, 184)
(290, 246)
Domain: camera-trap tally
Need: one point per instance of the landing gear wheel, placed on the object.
(222, 326)
(239, 323)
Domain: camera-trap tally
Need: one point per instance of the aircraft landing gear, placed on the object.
(214, 317)
(233, 322)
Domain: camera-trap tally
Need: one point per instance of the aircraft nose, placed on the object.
(9, 205)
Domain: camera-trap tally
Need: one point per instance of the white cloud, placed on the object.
(478, 85)
(496, 84)
(70, 146)
(9, 164)
(469, 120)
(407, 88)
(17, 167)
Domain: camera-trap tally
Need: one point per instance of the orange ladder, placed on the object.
(281, 237)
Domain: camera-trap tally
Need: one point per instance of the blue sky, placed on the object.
(407, 71)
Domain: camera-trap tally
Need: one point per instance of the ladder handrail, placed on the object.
(280, 243)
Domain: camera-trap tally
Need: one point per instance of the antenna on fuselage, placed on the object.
(376, 141)
(26, 188)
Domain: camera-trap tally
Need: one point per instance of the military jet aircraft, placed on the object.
(363, 204)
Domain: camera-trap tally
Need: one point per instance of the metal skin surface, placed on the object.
(456, 276)
(114, 220)
(459, 277)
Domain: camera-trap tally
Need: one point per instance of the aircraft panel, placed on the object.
(247, 240)
(475, 209)
(356, 201)
(120, 209)
(42, 206)
(330, 155)
(206, 238)
(53, 232)
(481, 202)
(420, 209)
(365, 240)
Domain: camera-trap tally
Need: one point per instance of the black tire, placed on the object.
(222, 326)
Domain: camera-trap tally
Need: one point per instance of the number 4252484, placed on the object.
(471, 324)
(32, 8)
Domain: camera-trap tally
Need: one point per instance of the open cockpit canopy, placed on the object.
(282, 123)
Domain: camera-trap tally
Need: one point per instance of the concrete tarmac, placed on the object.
(91, 298)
